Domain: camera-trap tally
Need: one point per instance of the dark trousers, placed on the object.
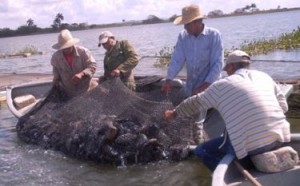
(211, 152)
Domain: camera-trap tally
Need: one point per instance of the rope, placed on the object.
(254, 60)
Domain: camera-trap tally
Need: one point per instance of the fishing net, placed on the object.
(110, 124)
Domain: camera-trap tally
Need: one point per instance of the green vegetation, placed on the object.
(163, 57)
(28, 49)
(25, 52)
(286, 41)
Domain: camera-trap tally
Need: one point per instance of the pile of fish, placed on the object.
(109, 124)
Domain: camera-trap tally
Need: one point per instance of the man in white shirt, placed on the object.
(252, 106)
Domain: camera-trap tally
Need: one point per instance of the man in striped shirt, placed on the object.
(252, 106)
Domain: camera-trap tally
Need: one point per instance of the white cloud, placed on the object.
(14, 13)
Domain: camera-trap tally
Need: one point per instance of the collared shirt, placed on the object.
(83, 61)
(203, 57)
(252, 106)
(122, 56)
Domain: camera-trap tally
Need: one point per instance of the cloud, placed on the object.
(14, 13)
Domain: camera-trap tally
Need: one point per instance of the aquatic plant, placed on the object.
(164, 57)
(285, 41)
(28, 49)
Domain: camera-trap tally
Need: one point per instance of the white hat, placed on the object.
(189, 14)
(65, 40)
(103, 37)
(238, 56)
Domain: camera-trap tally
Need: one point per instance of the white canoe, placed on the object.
(225, 174)
(228, 174)
(22, 97)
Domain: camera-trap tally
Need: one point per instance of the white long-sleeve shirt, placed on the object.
(252, 106)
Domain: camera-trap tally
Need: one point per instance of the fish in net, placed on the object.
(110, 124)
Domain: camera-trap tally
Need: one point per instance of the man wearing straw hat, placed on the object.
(199, 48)
(73, 66)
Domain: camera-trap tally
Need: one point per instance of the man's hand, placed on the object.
(169, 115)
(77, 77)
(166, 87)
(115, 73)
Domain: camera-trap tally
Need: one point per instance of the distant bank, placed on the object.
(257, 12)
(29, 30)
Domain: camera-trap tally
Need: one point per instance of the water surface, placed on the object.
(23, 164)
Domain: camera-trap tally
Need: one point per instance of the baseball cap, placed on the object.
(238, 56)
(103, 37)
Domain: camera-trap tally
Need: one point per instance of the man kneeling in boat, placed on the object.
(252, 106)
(73, 66)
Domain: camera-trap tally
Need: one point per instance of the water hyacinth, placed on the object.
(286, 41)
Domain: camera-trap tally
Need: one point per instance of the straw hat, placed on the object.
(65, 40)
(189, 14)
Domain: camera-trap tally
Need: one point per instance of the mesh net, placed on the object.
(110, 124)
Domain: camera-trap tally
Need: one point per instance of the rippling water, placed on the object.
(22, 164)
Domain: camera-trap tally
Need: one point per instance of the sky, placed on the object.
(15, 13)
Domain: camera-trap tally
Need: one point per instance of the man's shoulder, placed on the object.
(81, 48)
(211, 30)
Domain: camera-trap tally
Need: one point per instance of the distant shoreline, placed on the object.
(12, 33)
(258, 12)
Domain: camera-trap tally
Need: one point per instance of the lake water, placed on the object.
(22, 164)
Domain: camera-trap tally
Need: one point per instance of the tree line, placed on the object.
(31, 28)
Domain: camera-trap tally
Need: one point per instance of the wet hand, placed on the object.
(77, 78)
(170, 115)
(115, 73)
(166, 88)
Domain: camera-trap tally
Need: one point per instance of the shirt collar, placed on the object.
(76, 51)
(204, 32)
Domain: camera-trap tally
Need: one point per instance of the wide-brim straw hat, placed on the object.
(189, 14)
(65, 40)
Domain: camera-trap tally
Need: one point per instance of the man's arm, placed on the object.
(90, 64)
(131, 57)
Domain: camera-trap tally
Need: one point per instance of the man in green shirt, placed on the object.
(120, 59)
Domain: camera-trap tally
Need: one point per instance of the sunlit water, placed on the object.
(22, 164)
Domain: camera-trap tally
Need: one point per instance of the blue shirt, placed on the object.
(202, 55)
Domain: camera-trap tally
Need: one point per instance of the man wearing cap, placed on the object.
(73, 66)
(120, 59)
(200, 49)
(252, 107)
